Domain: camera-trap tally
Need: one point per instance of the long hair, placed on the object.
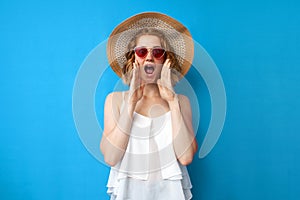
(130, 56)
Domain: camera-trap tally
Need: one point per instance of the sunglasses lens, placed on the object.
(141, 51)
(158, 53)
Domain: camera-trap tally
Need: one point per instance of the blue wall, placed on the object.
(255, 45)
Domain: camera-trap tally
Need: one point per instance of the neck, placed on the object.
(151, 90)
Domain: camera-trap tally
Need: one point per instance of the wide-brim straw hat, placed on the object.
(177, 35)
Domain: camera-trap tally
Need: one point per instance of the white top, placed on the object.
(149, 169)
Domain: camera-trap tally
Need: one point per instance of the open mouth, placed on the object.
(149, 69)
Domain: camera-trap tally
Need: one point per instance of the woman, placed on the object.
(148, 137)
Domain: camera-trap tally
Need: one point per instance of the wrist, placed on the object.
(130, 107)
(174, 101)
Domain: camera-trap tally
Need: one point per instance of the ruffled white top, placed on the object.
(149, 169)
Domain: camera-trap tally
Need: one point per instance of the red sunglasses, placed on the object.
(142, 52)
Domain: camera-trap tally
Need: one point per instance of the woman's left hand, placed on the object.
(165, 83)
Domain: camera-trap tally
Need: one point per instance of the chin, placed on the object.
(150, 81)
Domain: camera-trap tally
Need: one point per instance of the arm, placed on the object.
(184, 142)
(117, 125)
(116, 129)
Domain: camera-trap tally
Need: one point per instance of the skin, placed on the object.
(150, 95)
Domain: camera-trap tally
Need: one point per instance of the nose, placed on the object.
(149, 56)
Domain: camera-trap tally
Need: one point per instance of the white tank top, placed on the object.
(149, 168)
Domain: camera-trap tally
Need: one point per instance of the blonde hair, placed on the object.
(130, 56)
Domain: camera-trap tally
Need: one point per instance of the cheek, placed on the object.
(159, 67)
(139, 60)
(161, 61)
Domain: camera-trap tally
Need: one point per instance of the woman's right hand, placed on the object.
(136, 88)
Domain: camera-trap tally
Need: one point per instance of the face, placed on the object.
(150, 67)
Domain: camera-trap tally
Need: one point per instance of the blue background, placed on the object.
(255, 45)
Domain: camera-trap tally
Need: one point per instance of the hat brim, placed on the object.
(175, 32)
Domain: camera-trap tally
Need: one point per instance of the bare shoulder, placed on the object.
(114, 94)
(115, 99)
(183, 100)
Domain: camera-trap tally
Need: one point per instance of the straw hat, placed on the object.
(175, 33)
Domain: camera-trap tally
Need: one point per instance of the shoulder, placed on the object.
(183, 100)
(114, 95)
(115, 98)
(118, 94)
(184, 104)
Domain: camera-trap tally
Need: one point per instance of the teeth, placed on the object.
(149, 69)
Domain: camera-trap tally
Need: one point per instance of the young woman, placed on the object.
(148, 137)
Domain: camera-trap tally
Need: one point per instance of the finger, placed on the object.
(166, 77)
(169, 75)
(168, 71)
(137, 80)
(164, 73)
(159, 85)
(137, 67)
(136, 64)
(167, 63)
(167, 67)
(135, 70)
(159, 82)
(133, 74)
(134, 80)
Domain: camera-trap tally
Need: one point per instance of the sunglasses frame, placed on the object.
(149, 50)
